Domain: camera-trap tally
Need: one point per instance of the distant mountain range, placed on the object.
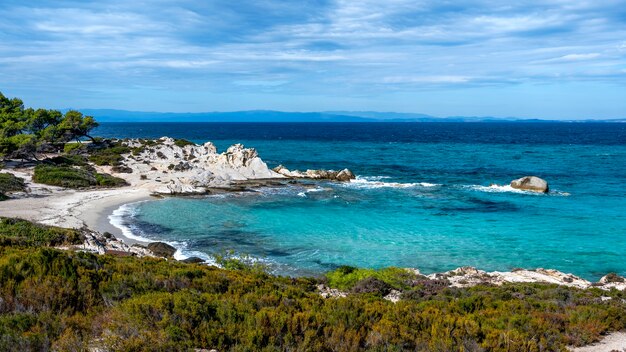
(110, 115)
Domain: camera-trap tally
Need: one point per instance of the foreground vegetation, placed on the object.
(69, 301)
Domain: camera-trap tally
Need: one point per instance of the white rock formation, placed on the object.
(469, 276)
(98, 243)
(166, 168)
(343, 175)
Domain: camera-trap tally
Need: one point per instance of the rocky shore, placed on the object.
(167, 166)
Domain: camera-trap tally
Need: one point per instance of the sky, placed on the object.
(553, 59)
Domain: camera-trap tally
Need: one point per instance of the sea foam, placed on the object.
(373, 182)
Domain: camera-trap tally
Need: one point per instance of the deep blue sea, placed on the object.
(422, 198)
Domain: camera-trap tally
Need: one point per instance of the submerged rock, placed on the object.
(161, 249)
(193, 260)
(531, 183)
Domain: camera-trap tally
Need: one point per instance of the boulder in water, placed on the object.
(531, 183)
(345, 175)
(161, 249)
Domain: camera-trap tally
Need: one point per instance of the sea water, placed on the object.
(423, 197)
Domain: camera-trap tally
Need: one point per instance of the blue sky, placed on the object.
(541, 59)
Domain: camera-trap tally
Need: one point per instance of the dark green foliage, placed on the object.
(17, 232)
(65, 300)
(10, 183)
(182, 142)
(74, 147)
(74, 177)
(373, 286)
(110, 155)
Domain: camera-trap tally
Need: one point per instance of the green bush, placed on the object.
(109, 156)
(74, 177)
(106, 180)
(346, 277)
(64, 176)
(183, 142)
(17, 232)
(73, 146)
(10, 183)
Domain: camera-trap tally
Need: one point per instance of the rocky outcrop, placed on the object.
(193, 260)
(167, 167)
(161, 249)
(106, 243)
(531, 183)
(470, 276)
(612, 280)
(343, 175)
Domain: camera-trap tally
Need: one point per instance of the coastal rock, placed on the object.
(343, 175)
(613, 280)
(161, 249)
(97, 243)
(531, 183)
(166, 166)
(469, 276)
(193, 260)
(327, 292)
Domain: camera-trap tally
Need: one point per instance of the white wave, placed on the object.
(311, 190)
(130, 210)
(500, 189)
(117, 220)
(183, 253)
(373, 182)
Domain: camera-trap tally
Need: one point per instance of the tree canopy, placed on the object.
(26, 131)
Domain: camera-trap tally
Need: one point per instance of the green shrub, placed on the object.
(106, 180)
(10, 183)
(183, 142)
(69, 160)
(73, 146)
(346, 277)
(64, 176)
(25, 233)
(111, 156)
(74, 177)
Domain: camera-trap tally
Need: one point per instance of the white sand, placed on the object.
(612, 342)
(71, 208)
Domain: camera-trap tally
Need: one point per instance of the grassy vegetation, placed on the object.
(17, 232)
(10, 183)
(111, 155)
(66, 301)
(72, 176)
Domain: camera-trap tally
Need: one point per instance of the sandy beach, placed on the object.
(71, 208)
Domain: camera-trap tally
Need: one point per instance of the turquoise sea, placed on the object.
(422, 197)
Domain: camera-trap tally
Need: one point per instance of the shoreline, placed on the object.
(96, 214)
(56, 206)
